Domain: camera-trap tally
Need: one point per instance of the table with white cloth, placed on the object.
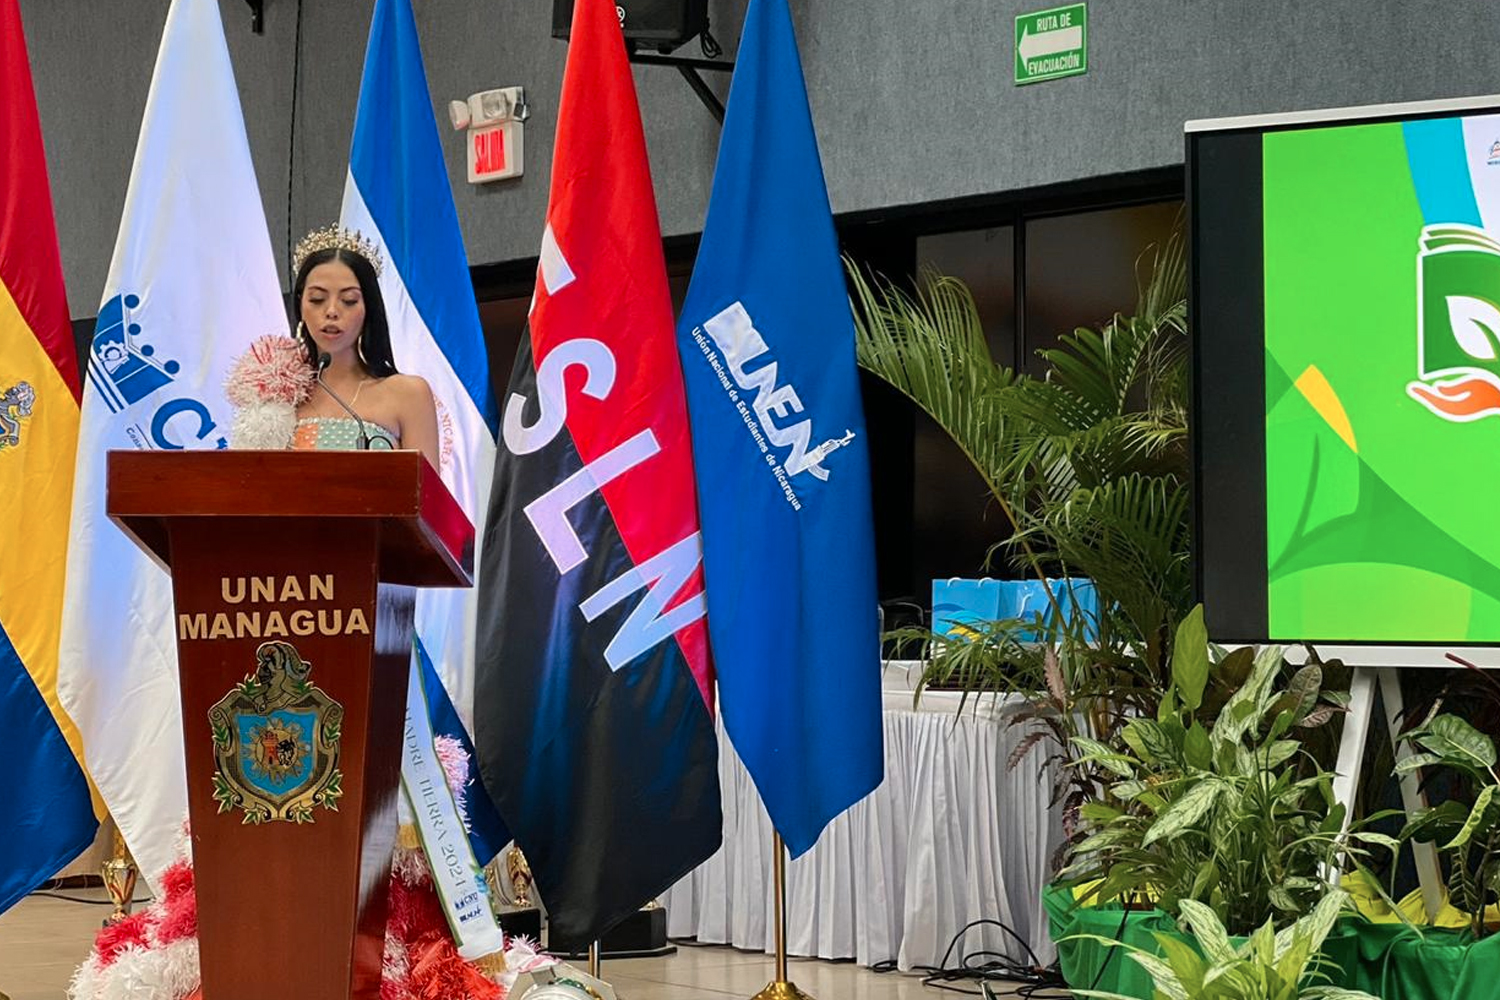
(950, 836)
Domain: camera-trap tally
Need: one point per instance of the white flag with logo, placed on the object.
(192, 282)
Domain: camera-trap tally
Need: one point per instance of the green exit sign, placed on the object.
(1052, 43)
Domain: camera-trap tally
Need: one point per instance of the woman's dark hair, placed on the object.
(375, 338)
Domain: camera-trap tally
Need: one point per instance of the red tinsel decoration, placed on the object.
(180, 919)
(133, 930)
(391, 989)
(405, 914)
(438, 972)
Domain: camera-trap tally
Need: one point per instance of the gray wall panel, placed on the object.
(91, 62)
(913, 98)
(91, 75)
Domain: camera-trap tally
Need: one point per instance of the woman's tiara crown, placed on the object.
(335, 237)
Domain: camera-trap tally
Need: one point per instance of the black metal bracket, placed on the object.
(689, 69)
(257, 16)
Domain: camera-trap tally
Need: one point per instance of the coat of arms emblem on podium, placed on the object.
(276, 741)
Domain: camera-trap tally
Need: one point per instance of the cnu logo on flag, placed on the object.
(125, 371)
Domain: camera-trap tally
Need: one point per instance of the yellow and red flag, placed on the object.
(49, 814)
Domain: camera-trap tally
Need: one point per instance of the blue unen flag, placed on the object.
(767, 343)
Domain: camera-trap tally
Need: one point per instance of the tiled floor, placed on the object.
(41, 940)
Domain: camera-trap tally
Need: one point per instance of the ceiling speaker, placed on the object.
(659, 24)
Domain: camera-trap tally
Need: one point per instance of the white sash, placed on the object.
(456, 874)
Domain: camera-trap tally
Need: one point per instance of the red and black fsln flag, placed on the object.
(594, 690)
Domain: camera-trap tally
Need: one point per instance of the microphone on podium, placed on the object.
(324, 360)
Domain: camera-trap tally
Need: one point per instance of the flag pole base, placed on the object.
(780, 988)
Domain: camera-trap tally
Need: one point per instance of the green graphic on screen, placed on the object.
(1382, 320)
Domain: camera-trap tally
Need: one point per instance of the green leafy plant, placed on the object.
(1467, 834)
(1268, 965)
(1088, 465)
(1089, 468)
(1231, 813)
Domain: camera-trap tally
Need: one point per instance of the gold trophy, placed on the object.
(519, 873)
(119, 880)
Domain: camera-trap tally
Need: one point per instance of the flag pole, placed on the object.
(594, 959)
(780, 988)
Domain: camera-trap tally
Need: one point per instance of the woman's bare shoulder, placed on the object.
(409, 387)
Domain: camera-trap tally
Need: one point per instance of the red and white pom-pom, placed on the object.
(273, 370)
(266, 385)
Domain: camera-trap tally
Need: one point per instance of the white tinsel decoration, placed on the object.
(455, 760)
(85, 984)
(265, 426)
(410, 866)
(162, 973)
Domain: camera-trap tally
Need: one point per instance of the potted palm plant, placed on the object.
(1089, 467)
(1089, 464)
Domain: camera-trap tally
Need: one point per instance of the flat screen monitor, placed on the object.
(1345, 309)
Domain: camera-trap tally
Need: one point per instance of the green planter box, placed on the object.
(1091, 965)
(1393, 962)
(1389, 961)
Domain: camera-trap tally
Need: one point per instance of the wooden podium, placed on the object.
(293, 576)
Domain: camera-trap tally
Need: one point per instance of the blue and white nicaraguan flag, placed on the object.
(192, 282)
(767, 344)
(397, 194)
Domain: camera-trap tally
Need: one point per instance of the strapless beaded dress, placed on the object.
(341, 434)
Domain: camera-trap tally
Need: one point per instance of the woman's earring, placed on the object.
(359, 348)
(302, 331)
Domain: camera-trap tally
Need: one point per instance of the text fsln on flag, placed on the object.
(593, 697)
(767, 343)
(191, 283)
(49, 812)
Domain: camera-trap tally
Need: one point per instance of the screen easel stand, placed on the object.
(1383, 669)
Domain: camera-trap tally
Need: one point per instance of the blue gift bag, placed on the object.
(960, 607)
(1027, 599)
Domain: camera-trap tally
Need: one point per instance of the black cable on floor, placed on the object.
(44, 894)
(984, 967)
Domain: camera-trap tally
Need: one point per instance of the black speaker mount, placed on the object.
(689, 69)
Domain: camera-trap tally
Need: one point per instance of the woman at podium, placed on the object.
(333, 385)
(336, 385)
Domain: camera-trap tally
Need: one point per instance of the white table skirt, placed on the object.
(950, 836)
